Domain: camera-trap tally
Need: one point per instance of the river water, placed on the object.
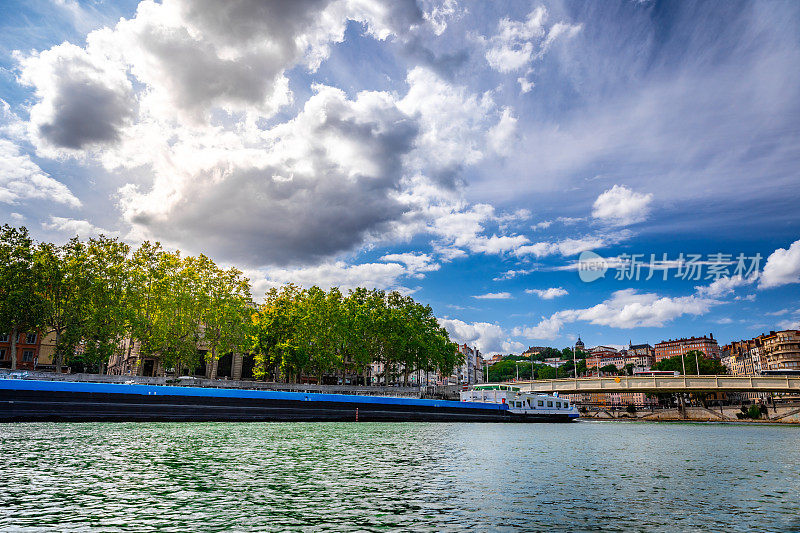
(410, 476)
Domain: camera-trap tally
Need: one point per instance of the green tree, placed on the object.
(691, 360)
(609, 369)
(63, 284)
(226, 308)
(102, 274)
(22, 309)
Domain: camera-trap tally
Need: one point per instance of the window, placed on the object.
(566, 405)
(549, 403)
(3, 337)
(27, 356)
(2, 354)
(540, 403)
(558, 405)
(30, 338)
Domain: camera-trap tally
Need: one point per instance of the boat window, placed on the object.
(558, 405)
(541, 403)
(566, 405)
(549, 403)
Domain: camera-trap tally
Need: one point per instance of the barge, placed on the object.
(23, 400)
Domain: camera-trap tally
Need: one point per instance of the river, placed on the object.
(614, 476)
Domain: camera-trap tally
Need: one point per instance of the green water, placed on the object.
(413, 476)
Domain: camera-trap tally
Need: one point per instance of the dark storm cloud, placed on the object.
(84, 113)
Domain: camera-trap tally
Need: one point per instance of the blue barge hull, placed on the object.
(32, 400)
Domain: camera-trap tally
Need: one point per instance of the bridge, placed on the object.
(663, 384)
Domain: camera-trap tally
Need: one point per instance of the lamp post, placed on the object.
(574, 364)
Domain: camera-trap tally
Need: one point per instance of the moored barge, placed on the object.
(23, 400)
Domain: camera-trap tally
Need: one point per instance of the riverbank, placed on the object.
(780, 414)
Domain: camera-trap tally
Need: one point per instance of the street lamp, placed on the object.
(574, 363)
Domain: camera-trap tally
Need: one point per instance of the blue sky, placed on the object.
(465, 152)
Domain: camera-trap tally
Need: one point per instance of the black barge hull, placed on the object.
(32, 401)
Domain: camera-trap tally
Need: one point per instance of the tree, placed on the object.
(226, 308)
(63, 284)
(22, 309)
(102, 273)
(610, 369)
(691, 360)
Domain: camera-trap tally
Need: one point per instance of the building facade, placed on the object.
(782, 350)
(670, 348)
(28, 345)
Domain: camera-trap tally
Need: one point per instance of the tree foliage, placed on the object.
(311, 331)
(691, 360)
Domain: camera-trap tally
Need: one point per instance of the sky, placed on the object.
(535, 171)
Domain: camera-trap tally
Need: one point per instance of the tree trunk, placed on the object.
(130, 350)
(14, 347)
(213, 373)
(57, 359)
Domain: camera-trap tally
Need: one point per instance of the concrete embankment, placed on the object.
(784, 414)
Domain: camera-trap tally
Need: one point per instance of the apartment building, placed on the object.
(782, 350)
(672, 347)
(28, 345)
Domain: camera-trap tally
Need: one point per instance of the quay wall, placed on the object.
(784, 414)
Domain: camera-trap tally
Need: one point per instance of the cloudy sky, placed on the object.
(465, 152)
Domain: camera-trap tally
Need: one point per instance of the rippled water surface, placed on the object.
(414, 476)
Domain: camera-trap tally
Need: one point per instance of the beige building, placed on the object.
(782, 350)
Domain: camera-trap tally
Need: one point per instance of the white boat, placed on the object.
(524, 406)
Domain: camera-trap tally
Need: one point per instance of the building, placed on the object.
(533, 350)
(28, 345)
(579, 346)
(640, 355)
(554, 362)
(471, 371)
(782, 350)
(601, 356)
(746, 357)
(670, 348)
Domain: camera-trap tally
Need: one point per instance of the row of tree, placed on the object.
(92, 295)
(310, 331)
(97, 294)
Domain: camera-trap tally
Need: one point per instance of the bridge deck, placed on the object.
(665, 384)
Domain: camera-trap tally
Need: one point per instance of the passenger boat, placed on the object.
(523, 406)
(26, 400)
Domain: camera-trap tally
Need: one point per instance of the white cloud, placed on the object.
(22, 179)
(71, 227)
(488, 338)
(542, 225)
(501, 136)
(789, 324)
(416, 263)
(725, 285)
(517, 44)
(782, 267)
(621, 206)
(625, 309)
(340, 274)
(565, 247)
(494, 296)
(511, 274)
(548, 294)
